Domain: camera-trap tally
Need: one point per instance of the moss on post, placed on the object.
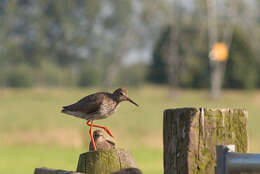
(191, 135)
(104, 162)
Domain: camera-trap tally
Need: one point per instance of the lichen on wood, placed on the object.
(191, 134)
(104, 162)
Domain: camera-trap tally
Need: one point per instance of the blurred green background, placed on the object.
(53, 53)
(35, 134)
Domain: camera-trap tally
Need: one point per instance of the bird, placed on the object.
(97, 106)
(101, 142)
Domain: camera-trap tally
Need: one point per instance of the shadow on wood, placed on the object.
(45, 170)
(105, 162)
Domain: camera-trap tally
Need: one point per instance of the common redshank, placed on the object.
(101, 142)
(97, 106)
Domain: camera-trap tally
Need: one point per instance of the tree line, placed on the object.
(88, 43)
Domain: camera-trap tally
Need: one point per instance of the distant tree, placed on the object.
(90, 75)
(132, 75)
(21, 76)
(55, 39)
(243, 66)
(158, 68)
(242, 70)
(194, 68)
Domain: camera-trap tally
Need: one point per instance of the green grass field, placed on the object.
(33, 132)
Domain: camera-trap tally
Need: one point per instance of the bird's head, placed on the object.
(97, 133)
(122, 95)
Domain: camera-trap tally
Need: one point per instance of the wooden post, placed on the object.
(105, 162)
(190, 136)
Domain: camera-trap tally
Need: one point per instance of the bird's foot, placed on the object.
(91, 135)
(89, 123)
(108, 131)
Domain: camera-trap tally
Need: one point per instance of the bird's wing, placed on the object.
(89, 104)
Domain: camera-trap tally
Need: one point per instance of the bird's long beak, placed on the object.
(128, 99)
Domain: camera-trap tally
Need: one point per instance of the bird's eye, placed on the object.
(121, 93)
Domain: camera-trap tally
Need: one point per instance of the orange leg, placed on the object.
(89, 123)
(91, 135)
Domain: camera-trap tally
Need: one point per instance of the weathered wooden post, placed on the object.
(191, 135)
(98, 162)
(105, 162)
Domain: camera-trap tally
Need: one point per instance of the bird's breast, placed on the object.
(108, 108)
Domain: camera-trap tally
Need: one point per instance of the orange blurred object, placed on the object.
(219, 52)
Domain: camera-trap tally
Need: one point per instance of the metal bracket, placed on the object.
(221, 151)
(229, 161)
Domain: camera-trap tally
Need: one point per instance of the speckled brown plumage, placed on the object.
(97, 106)
(101, 142)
